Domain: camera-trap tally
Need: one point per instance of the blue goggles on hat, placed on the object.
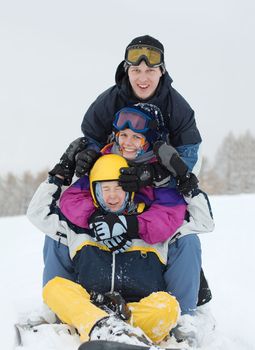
(131, 118)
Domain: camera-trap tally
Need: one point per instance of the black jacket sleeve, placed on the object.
(183, 129)
(97, 121)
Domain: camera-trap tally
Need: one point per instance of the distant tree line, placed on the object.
(17, 191)
(232, 172)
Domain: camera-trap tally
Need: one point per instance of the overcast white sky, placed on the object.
(56, 56)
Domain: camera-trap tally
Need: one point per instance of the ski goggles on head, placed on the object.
(130, 118)
(152, 56)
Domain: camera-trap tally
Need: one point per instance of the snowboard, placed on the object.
(111, 345)
(26, 333)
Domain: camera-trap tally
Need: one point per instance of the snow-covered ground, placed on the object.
(228, 261)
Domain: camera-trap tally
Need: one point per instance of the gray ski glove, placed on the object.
(66, 165)
(186, 182)
(169, 157)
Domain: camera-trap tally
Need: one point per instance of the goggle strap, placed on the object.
(153, 124)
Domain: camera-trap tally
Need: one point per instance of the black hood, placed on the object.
(120, 73)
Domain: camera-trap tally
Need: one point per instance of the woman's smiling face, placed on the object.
(130, 143)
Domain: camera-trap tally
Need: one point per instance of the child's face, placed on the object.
(130, 143)
(113, 195)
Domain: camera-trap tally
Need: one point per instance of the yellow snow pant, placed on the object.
(156, 314)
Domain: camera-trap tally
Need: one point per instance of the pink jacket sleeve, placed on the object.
(76, 203)
(164, 216)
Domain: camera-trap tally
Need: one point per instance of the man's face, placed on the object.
(144, 80)
(113, 195)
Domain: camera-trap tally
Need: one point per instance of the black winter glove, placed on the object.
(85, 160)
(66, 165)
(107, 226)
(135, 177)
(186, 182)
(141, 175)
(114, 301)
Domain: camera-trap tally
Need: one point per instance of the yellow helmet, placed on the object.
(106, 168)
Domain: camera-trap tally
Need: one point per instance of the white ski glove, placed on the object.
(118, 244)
(107, 226)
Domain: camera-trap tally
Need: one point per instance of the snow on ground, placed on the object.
(228, 262)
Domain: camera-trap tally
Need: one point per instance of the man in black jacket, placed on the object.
(142, 77)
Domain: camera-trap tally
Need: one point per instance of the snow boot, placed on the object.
(186, 331)
(204, 294)
(114, 329)
(195, 329)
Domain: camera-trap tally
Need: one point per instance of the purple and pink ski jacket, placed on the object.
(165, 211)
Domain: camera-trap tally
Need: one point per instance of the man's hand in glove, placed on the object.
(85, 160)
(66, 165)
(187, 185)
(169, 158)
(141, 175)
(186, 182)
(135, 177)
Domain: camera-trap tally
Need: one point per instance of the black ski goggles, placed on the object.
(152, 56)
